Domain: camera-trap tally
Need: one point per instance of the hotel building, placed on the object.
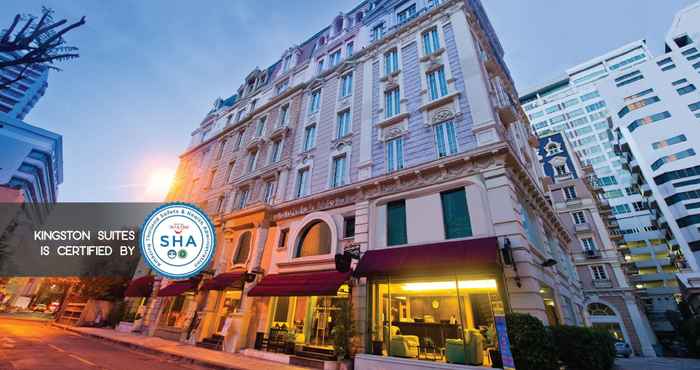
(655, 109)
(573, 106)
(392, 137)
(575, 194)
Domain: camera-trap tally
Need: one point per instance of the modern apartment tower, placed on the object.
(393, 141)
(17, 99)
(573, 105)
(655, 110)
(577, 197)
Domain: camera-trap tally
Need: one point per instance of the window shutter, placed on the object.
(455, 214)
(396, 222)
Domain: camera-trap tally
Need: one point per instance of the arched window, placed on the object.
(315, 239)
(599, 309)
(243, 249)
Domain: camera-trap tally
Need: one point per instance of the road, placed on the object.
(35, 345)
(659, 363)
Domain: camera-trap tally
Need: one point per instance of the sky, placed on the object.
(150, 70)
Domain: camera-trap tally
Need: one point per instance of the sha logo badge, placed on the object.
(178, 240)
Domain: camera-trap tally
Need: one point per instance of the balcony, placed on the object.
(582, 227)
(645, 263)
(658, 276)
(602, 283)
(591, 253)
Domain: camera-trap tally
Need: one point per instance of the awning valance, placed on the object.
(140, 287)
(177, 287)
(452, 257)
(315, 283)
(225, 280)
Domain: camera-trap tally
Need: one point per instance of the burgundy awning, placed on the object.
(225, 280)
(319, 283)
(460, 256)
(140, 287)
(176, 288)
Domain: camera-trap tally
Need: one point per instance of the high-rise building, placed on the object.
(574, 106)
(17, 99)
(655, 111)
(393, 135)
(576, 195)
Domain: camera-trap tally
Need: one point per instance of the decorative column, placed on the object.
(150, 319)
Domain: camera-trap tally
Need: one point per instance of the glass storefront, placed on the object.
(176, 311)
(308, 319)
(230, 303)
(448, 319)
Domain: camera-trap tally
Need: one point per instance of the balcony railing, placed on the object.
(602, 283)
(591, 253)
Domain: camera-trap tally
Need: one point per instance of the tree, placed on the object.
(29, 43)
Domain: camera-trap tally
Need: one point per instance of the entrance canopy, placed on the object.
(225, 280)
(140, 287)
(177, 287)
(316, 283)
(458, 257)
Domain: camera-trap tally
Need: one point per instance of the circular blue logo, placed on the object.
(178, 240)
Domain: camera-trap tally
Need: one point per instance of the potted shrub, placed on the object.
(126, 324)
(343, 331)
(531, 343)
(582, 348)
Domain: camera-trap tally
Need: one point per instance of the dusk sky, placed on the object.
(150, 70)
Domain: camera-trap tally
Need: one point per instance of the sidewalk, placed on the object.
(180, 351)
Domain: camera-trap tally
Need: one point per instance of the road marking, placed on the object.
(56, 348)
(82, 359)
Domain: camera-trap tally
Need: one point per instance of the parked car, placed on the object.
(623, 349)
(39, 307)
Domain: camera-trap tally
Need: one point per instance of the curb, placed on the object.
(174, 356)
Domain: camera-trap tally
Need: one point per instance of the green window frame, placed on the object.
(396, 222)
(455, 214)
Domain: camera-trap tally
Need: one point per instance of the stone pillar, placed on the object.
(504, 207)
(236, 338)
(359, 291)
(150, 319)
(646, 336)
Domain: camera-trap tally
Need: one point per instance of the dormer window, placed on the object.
(406, 14)
(561, 170)
(286, 63)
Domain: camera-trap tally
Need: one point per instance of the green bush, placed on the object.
(581, 348)
(531, 343)
(690, 331)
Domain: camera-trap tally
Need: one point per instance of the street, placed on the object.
(35, 345)
(659, 363)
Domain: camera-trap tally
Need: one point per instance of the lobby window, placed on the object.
(309, 137)
(348, 227)
(343, 124)
(260, 128)
(673, 157)
(392, 102)
(455, 214)
(346, 85)
(284, 116)
(396, 222)
(229, 171)
(252, 160)
(570, 193)
(276, 151)
(431, 41)
(315, 240)
(269, 192)
(391, 62)
(243, 249)
(334, 58)
(222, 146)
(437, 86)
(446, 139)
(579, 217)
(315, 101)
(302, 185)
(243, 198)
(339, 169)
(599, 272)
(394, 154)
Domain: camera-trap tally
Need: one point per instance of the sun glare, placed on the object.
(159, 182)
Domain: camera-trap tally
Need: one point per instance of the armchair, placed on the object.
(454, 349)
(403, 345)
